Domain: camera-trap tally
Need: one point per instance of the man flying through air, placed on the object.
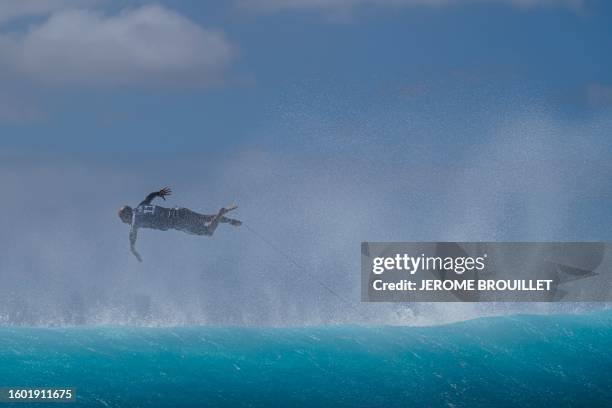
(146, 215)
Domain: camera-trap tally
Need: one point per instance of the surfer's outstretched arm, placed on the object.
(163, 193)
(133, 236)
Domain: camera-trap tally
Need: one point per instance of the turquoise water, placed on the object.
(519, 361)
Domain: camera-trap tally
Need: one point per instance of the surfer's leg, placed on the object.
(202, 224)
(209, 218)
(210, 228)
(232, 221)
(223, 220)
(190, 222)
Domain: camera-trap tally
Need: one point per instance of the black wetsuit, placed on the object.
(146, 215)
(162, 218)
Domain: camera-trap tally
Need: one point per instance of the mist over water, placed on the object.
(65, 256)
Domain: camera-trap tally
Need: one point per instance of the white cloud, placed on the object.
(149, 45)
(15, 9)
(344, 6)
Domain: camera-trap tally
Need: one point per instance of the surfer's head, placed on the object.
(125, 213)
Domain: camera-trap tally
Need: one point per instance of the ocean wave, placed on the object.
(526, 361)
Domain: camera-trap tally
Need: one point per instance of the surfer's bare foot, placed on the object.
(235, 223)
(225, 210)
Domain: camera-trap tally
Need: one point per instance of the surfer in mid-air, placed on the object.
(146, 215)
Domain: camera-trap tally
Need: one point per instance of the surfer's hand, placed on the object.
(164, 192)
(137, 255)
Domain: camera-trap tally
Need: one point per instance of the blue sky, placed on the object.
(330, 61)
